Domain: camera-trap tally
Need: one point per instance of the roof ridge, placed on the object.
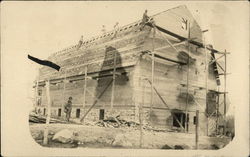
(93, 38)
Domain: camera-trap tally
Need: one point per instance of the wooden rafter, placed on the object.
(215, 60)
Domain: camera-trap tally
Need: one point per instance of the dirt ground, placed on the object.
(104, 137)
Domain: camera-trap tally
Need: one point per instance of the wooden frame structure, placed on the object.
(152, 53)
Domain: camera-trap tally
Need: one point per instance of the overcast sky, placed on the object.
(42, 28)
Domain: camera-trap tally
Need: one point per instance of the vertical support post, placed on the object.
(187, 97)
(36, 95)
(85, 86)
(64, 88)
(140, 115)
(217, 110)
(152, 73)
(225, 86)
(197, 130)
(206, 78)
(46, 129)
(113, 83)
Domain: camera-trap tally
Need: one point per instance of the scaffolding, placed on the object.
(152, 53)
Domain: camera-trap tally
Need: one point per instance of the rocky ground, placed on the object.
(77, 135)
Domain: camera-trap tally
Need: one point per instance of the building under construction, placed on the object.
(161, 73)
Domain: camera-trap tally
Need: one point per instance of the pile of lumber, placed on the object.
(35, 118)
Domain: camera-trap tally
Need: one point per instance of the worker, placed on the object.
(103, 29)
(116, 29)
(68, 108)
(80, 42)
(145, 19)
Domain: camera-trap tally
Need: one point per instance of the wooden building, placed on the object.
(158, 72)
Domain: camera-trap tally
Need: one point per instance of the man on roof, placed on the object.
(145, 19)
(80, 42)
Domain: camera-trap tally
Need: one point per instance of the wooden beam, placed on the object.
(165, 103)
(36, 95)
(225, 90)
(206, 79)
(140, 116)
(152, 71)
(113, 84)
(164, 47)
(181, 38)
(96, 100)
(64, 87)
(218, 64)
(170, 44)
(46, 129)
(187, 97)
(197, 130)
(168, 59)
(217, 110)
(215, 60)
(85, 86)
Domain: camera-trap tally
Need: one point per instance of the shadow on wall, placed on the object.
(105, 75)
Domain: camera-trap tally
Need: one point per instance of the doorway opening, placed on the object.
(78, 113)
(101, 114)
(179, 120)
(59, 112)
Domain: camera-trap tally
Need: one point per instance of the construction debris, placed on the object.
(116, 122)
(35, 118)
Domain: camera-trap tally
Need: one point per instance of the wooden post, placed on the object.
(96, 100)
(85, 85)
(187, 97)
(225, 86)
(46, 129)
(113, 83)
(36, 95)
(152, 73)
(140, 117)
(217, 111)
(206, 78)
(197, 130)
(64, 87)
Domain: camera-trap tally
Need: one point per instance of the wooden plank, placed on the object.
(46, 129)
(85, 85)
(187, 95)
(197, 130)
(152, 70)
(113, 83)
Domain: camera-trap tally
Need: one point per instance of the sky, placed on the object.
(42, 28)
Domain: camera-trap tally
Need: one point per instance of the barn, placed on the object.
(157, 72)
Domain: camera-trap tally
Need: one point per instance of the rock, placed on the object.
(178, 147)
(214, 146)
(166, 147)
(217, 146)
(64, 136)
(37, 135)
(121, 141)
